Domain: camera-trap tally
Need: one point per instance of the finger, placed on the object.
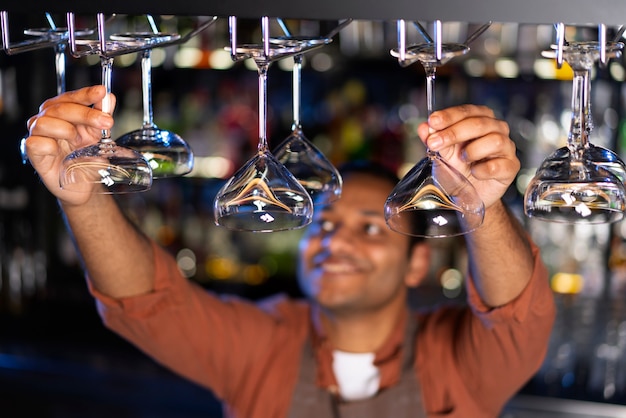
(488, 147)
(54, 128)
(87, 96)
(502, 170)
(72, 113)
(442, 119)
(62, 130)
(41, 146)
(44, 154)
(467, 129)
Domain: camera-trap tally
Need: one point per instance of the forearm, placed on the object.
(501, 260)
(117, 257)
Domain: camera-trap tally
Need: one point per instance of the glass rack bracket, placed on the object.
(572, 12)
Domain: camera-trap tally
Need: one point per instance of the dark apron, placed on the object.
(401, 400)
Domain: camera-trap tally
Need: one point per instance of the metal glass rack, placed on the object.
(571, 12)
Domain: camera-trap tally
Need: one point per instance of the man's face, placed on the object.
(349, 259)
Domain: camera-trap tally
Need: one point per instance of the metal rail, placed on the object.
(571, 12)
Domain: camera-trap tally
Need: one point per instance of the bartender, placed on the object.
(352, 348)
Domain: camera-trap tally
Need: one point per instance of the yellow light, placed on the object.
(569, 283)
(220, 268)
(286, 64)
(451, 283)
(254, 274)
(126, 60)
(322, 62)
(187, 57)
(211, 167)
(506, 68)
(92, 59)
(220, 60)
(250, 64)
(475, 67)
(617, 71)
(547, 69)
(565, 72)
(186, 260)
(157, 57)
(404, 169)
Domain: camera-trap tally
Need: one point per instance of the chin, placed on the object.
(334, 302)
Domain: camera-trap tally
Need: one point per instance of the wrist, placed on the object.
(498, 221)
(89, 203)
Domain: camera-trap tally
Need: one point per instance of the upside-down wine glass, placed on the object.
(166, 152)
(262, 196)
(441, 199)
(55, 37)
(302, 158)
(104, 167)
(579, 183)
(591, 52)
(600, 155)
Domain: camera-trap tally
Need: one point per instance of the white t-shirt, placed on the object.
(356, 375)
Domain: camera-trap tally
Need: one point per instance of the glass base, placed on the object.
(434, 200)
(166, 152)
(105, 168)
(262, 196)
(591, 203)
(578, 187)
(246, 219)
(438, 223)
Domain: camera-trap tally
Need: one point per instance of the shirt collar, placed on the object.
(388, 358)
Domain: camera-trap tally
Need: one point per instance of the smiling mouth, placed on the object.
(339, 268)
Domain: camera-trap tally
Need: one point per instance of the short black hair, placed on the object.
(383, 172)
(371, 168)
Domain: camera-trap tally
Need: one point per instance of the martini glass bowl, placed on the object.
(433, 194)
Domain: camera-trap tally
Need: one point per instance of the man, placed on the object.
(353, 349)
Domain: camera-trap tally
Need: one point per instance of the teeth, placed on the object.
(339, 268)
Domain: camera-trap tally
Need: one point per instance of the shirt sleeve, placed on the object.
(224, 344)
(536, 299)
(486, 354)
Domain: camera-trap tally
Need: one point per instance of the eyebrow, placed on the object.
(372, 213)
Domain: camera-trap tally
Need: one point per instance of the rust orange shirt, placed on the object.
(469, 360)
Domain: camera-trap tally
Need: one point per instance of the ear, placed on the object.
(419, 264)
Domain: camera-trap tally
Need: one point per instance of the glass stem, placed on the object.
(263, 68)
(107, 64)
(577, 139)
(297, 87)
(588, 117)
(430, 95)
(146, 88)
(59, 64)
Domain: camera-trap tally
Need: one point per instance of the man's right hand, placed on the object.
(64, 123)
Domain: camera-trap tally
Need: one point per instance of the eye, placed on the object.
(372, 229)
(327, 226)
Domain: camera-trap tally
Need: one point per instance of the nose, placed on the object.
(339, 239)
